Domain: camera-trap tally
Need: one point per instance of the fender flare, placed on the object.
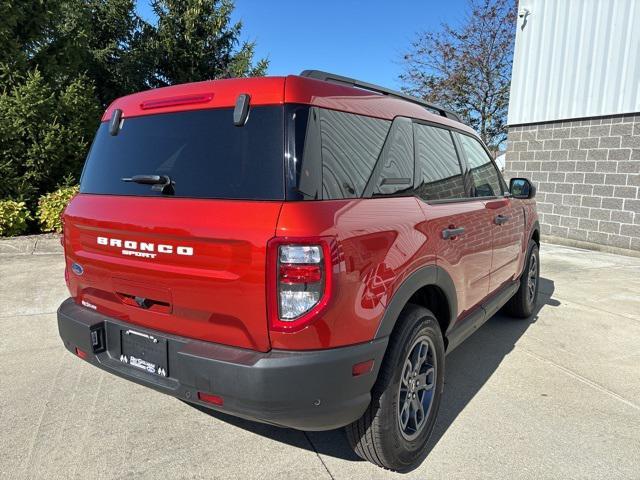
(423, 277)
(535, 227)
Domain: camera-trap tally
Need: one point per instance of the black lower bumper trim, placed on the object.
(306, 390)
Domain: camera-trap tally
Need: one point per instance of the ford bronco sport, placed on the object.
(300, 250)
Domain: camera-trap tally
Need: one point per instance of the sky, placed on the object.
(360, 39)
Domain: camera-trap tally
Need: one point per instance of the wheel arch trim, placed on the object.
(423, 277)
(535, 227)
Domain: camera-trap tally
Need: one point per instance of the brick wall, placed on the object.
(588, 177)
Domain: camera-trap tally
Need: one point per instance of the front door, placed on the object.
(507, 234)
(506, 219)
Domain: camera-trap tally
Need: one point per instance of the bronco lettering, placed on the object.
(133, 248)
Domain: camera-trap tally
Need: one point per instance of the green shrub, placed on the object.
(51, 206)
(13, 218)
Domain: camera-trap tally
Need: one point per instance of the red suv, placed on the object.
(301, 251)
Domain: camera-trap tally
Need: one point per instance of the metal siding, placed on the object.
(575, 59)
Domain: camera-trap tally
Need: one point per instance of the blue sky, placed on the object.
(362, 39)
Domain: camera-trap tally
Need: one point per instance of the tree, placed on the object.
(23, 28)
(196, 40)
(44, 135)
(63, 61)
(467, 67)
(99, 38)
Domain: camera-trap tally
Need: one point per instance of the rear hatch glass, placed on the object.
(202, 152)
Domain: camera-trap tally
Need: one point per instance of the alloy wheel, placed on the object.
(416, 392)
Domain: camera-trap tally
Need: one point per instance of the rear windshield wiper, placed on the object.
(160, 183)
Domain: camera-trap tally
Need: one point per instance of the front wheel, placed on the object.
(394, 430)
(523, 303)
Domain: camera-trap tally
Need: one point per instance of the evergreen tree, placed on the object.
(63, 61)
(196, 40)
(44, 135)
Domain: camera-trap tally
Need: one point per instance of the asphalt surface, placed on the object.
(554, 397)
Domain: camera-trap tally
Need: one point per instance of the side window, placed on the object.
(393, 175)
(484, 173)
(438, 172)
(351, 145)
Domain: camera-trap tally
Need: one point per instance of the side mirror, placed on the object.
(521, 188)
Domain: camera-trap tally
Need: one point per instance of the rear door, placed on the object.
(189, 261)
(506, 218)
(459, 226)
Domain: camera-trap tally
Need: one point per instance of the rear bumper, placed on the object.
(306, 390)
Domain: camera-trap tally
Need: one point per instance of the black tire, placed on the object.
(523, 303)
(378, 436)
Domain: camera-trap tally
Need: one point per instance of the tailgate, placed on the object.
(190, 267)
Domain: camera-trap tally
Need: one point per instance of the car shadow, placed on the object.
(468, 368)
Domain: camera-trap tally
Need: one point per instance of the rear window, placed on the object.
(201, 151)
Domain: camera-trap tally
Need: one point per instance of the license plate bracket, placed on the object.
(144, 351)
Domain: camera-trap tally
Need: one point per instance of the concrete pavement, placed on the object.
(554, 397)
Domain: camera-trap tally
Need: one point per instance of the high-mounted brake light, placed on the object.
(300, 281)
(173, 101)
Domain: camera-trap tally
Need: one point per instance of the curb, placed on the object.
(46, 244)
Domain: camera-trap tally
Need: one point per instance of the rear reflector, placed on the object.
(362, 368)
(81, 353)
(172, 101)
(209, 398)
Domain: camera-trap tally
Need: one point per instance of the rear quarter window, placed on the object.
(202, 151)
(350, 147)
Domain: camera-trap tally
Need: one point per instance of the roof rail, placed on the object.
(352, 82)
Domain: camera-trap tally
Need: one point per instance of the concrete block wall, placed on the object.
(587, 172)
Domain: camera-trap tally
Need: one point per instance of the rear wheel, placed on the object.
(394, 430)
(523, 303)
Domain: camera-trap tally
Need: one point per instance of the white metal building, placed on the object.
(574, 118)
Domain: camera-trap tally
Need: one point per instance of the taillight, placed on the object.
(300, 281)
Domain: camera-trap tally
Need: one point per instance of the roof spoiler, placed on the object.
(352, 82)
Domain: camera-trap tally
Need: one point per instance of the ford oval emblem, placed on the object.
(77, 268)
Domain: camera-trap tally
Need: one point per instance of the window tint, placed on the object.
(304, 127)
(438, 172)
(351, 145)
(484, 173)
(394, 171)
(201, 151)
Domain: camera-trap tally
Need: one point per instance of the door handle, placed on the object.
(449, 233)
(500, 219)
